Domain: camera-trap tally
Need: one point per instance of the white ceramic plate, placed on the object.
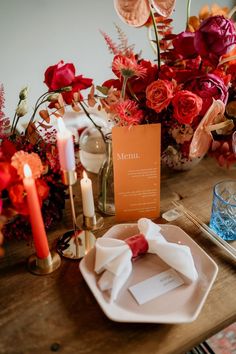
(180, 305)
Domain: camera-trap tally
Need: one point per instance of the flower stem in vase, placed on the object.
(106, 184)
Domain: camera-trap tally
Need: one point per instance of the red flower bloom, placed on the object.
(138, 85)
(183, 44)
(8, 175)
(159, 94)
(207, 86)
(18, 198)
(62, 75)
(124, 66)
(7, 149)
(187, 106)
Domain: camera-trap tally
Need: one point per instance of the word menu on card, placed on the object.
(136, 159)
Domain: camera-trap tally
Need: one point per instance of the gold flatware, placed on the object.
(206, 230)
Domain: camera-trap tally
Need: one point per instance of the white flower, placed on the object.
(22, 109)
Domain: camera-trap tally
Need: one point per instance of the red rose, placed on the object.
(216, 36)
(59, 75)
(159, 94)
(187, 106)
(207, 86)
(62, 75)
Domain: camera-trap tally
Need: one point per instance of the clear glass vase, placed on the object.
(106, 183)
(92, 149)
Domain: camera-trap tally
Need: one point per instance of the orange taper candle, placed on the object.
(36, 220)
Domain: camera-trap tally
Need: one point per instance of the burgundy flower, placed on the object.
(183, 44)
(216, 36)
(207, 87)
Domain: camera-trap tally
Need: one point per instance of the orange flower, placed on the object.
(205, 12)
(159, 94)
(20, 158)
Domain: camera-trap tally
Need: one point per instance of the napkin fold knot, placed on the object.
(113, 259)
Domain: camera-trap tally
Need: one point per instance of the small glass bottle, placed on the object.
(106, 182)
(92, 151)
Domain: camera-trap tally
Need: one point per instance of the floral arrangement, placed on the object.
(191, 90)
(36, 146)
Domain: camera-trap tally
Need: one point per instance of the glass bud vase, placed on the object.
(92, 151)
(106, 183)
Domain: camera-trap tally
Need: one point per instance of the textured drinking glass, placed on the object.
(234, 142)
(223, 216)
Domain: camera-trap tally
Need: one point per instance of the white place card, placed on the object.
(156, 286)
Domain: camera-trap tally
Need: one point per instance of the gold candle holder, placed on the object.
(43, 266)
(91, 223)
(69, 244)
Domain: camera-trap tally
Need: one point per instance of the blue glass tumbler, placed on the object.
(223, 215)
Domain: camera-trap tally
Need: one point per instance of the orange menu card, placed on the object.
(136, 159)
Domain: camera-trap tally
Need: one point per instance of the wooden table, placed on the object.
(58, 312)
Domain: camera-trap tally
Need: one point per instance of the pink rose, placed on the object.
(216, 36)
(207, 86)
(159, 94)
(187, 106)
(183, 44)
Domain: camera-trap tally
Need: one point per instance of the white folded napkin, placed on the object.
(114, 257)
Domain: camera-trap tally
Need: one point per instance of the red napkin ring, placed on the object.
(138, 244)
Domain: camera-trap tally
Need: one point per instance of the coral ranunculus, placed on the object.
(208, 86)
(187, 106)
(216, 36)
(159, 94)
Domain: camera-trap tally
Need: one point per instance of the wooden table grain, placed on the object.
(58, 313)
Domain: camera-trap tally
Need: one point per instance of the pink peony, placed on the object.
(216, 36)
(207, 87)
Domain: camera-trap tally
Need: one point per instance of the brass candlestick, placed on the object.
(43, 266)
(69, 244)
(88, 224)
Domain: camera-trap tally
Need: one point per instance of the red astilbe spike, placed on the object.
(113, 48)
